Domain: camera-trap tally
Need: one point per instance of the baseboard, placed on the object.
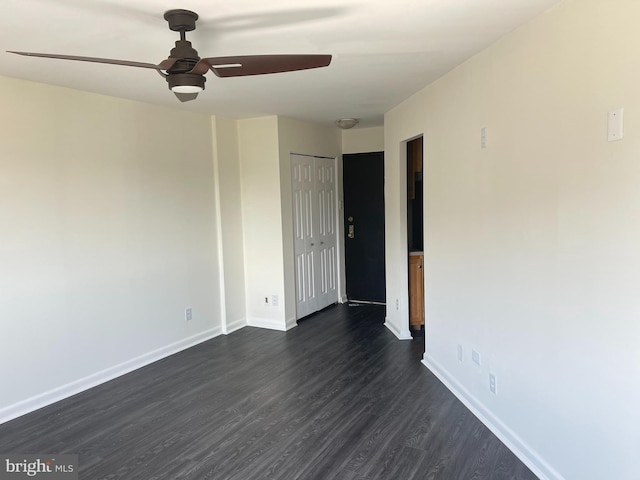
(267, 323)
(342, 299)
(520, 448)
(60, 393)
(396, 332)
(234, 326)
(292, 323)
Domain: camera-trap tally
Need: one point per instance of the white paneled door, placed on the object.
(314, 229)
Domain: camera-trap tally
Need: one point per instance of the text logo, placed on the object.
(44, 467)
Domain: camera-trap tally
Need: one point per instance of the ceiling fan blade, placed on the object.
(186, 97)
(164, 65)
(243, 65)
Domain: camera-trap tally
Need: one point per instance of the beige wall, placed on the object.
(229, 222)
(295, 136)
(265, 148)
(107, 236)
(531, 245)
(363, 140)
(261, 212)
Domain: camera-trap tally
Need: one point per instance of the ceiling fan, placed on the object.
(184, 70)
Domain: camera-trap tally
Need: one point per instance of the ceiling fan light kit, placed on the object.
(184, 70)
(186, 82)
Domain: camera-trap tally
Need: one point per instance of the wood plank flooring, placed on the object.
(338, 398)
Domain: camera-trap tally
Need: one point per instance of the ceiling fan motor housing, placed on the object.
(187, 57)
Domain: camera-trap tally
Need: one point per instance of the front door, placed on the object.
(363, 175)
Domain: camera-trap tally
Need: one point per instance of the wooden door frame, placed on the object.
(403, 307)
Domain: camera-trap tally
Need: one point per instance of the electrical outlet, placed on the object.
(475, 356)
(493, 384)
(459, 353)
(397, 304)
(188, 314)
(274, 300)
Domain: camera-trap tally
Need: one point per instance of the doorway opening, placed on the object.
(415, 235)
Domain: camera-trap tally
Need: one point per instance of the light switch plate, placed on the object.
(615, 125)
(475, 356)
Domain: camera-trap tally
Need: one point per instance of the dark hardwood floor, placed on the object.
(337, 398)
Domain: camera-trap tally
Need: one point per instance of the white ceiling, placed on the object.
(384, 50)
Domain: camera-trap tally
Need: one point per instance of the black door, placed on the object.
(363, 175)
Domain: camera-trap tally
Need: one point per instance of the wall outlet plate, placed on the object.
(188, 314)
(493, 384)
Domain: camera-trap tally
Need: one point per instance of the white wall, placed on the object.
(261, 213)
(230, 222)
(295, 136)
(531, 246)
(265, 145)
(106, 236)
(363, 140)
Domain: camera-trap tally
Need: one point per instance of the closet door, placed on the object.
(304, 230)
(326, 214)
(314, 229)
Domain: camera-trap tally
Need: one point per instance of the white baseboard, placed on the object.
(396, 332)
(342, 299)
(234, 326)
(60, 393)
(292, 323)
(521, 449)
(268, 323)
